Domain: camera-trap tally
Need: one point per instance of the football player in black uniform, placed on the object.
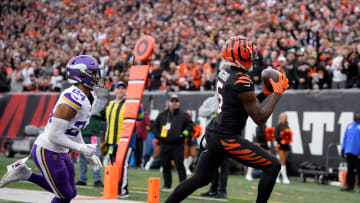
(237, 101)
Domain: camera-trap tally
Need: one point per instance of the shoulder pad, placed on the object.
(242, 82)
(74, 97)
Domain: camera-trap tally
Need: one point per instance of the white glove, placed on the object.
(95, 162)
(88, 149)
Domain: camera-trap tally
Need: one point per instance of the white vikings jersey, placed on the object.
(77, 100)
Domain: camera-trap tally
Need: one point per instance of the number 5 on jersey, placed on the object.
(219, 87)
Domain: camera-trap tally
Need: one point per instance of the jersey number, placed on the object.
(75, 131)
(219, 86)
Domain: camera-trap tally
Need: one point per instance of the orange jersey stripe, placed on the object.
(266, 163)
(249, 156)
(244, 77)
(243, 151)
(241, 81)
(258, 161)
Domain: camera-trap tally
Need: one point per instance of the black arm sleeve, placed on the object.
(261, 97)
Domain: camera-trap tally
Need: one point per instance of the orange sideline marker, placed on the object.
(111, 183)
(154, 190)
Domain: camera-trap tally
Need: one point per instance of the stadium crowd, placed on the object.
(316, 43)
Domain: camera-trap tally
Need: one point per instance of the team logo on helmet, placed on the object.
(239, 52)
(83, 69)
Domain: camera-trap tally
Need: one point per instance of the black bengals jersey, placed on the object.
(231, 115)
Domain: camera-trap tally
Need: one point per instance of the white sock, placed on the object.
(187, 163)
(190, 160)
(249, 173)
(284, 174)
(149, 163)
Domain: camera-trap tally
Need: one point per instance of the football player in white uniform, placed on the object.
(62, 133)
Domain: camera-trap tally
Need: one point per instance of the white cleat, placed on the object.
(147, 166)
(285, 181)
(16, 172)
(248, 177)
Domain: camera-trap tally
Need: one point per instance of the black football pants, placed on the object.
(173, 152)
(219, 180)
(239, 149)
(353, 163)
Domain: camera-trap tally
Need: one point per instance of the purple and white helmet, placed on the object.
(83, 69)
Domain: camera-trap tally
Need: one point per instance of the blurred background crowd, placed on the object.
(316, 43)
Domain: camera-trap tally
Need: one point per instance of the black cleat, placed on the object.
(221, 195)
(98, 184)
(208, 194)
(81, 183)
(346, 189)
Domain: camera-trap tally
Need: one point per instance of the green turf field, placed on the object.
(239, 189)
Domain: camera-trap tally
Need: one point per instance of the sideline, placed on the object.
(37, 196)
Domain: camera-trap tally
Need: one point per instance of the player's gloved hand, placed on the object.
(280, 86)
(88, 149)
(265, 90)
(95, 162)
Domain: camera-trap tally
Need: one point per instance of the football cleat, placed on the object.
(16, 172)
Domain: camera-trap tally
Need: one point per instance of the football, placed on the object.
(268, 73)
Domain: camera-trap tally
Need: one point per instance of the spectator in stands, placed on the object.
(353, 72)
(290, 68)
(31, 34)
(56, 81)
(17, 78)
(156, 74)
(351, 150)
(4, 82)
(338, 69)
(302, 70)
(28, 73)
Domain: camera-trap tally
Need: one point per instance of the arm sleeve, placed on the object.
(56, 130)
(261, 97)
(260, 133)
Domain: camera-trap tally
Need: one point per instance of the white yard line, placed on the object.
(37, 196)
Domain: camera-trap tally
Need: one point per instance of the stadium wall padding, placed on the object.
(318, 120)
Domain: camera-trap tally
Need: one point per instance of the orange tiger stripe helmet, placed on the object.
(239, 52)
